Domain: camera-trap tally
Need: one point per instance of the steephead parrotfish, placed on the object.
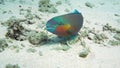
(65, 25)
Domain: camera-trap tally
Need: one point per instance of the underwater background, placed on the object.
(59, 33)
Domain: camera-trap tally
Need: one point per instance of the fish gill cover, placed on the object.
(67, 25)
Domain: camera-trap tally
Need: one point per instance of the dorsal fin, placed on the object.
(76, 11)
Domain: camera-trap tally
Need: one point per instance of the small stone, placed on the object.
(90, 5)
(117, 15)
(20, 6)
(84, 52)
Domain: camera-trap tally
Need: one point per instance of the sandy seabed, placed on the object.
(102, 17)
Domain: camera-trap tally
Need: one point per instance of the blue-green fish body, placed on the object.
(65, 25)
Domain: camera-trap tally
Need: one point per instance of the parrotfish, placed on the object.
(65, 25)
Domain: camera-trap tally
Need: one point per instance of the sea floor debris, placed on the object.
(117, 36)
(37, 38)
(46, 6)
(62, 47)
(114, 42)
(16, 31)
(3, 44)
(100, 38)
(108, 27)
(12, 66)
(31, 50)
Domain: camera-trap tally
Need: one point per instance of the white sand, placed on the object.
(99, 56)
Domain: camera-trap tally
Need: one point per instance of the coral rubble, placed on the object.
(46, 6)
(107, 27)
(16, 31)
(3, 44)
(117, 36)
(114, 42)
(99, 38)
